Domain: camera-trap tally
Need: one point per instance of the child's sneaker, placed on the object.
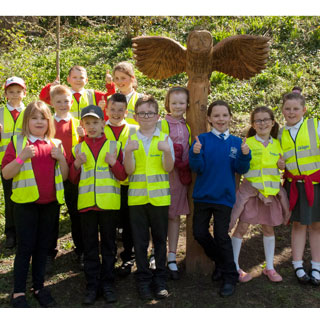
(273, 275)
(244, 276)
(152, 262)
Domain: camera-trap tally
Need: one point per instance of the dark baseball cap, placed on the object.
(93, 111)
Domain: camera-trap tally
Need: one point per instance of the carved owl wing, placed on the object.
(241, 56)
(159, 57)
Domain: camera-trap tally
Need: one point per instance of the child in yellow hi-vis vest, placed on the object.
(149, 157)
(38, 167)
(96, 167)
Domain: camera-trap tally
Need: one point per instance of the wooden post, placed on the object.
(58, 48)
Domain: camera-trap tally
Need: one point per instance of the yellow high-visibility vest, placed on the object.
(9, 128)
(24, 185)
(97, 185)
(164, 126)
(74, 124)
(128, 130)
(150, 182)
(302, 155)
(264, 174)
(130, 108)
(87, 98)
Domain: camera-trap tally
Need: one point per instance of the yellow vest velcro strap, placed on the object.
(137, 178)
(24, 183)
(107, 189)
(137, 192)
(159, 193)
(86, 189)
(158, 178)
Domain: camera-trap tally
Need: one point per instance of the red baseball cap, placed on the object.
(15, 80)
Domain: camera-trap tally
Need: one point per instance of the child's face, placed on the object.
(146, 116)
(293, 111)
(38, 124)
(61, 104)
(116, 111)
(263, 124)
(123, 82)
(220, 118)
(15, 94)
(77, 80)
(92, 126)
(178, 104)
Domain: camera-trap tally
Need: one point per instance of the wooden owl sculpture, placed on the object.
(241, 56)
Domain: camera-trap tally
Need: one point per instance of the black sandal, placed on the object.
(44, 298)
(313, 280)
(174, 274)
(19, 302)
(304, 279)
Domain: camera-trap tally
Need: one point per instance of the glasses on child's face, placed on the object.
(146, 114)
(260, 121)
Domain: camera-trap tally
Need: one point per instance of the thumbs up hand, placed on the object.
(244, 147)
(131, 145)
(281, 162)
(164, 145)
(81, 158)
(110, 158)
(56, 152)
(28, 152)
(81, 131)
(197, 146)
(108, 77)
(102, 103)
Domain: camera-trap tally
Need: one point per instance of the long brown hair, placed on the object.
(275, 129)
(31, 109)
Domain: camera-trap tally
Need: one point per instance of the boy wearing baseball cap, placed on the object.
(11, 116)
(96, 166)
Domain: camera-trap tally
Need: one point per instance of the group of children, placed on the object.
(115, 158)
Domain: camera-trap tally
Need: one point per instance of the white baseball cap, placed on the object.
(15, 80)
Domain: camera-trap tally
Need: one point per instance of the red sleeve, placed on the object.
(118, 168)
(74, 174)
(9, 155)
(45, 94)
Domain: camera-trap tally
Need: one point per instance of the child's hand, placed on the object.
(102, 103)
(281, 162)
(81, 158)
(56, 152)
(81, 131)
(244, 147)
(108, 77)
(164, 145)
(197, 146)
(110, 158)
(28, 152)
(132, 145)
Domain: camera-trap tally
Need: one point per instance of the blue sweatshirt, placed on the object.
(215, 166)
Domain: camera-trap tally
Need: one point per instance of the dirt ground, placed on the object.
(67, 282)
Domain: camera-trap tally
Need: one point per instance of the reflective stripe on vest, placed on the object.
(150, 182)
(97, 185)
(128, 130)
(163, 125)
(264, 174)
(24, 185)
(87, 98)
(10, 127)
(130, 108)
(302, 155)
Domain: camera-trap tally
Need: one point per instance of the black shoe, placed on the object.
(174, 274)
(45, 299)
(19, 302)
(125, 269)
(227, 289)
(10, 242)
(90, 297)
(314, 281)
(304, 279)
(216, 275)
(145, 291)
(49, 264)
(109, 294)
(160, 291)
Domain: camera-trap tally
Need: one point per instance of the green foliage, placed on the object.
(28, 50)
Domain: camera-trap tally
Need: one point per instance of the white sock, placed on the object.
(299, 264)
(315, 265)
(236, 246)
(172, 257)
(269, 245)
